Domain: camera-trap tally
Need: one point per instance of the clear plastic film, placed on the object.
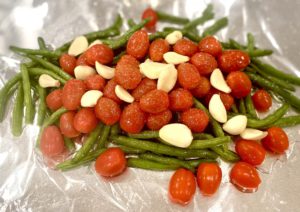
(27, 184)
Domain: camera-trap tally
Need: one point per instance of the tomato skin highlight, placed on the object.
(250, 151)
(108, 111)
(157, 121)
(211, 46)
(245, 177)
(196, 119)
(262, 100)
(67, 63)
(150, 13)
(66, 125)
(95, 82)
(72, 93)
(204, 62)
(85, 120)
(99, 53)
(182, 186)
(233, 60)
(239, 83)
(157, 49)
(138, 44)
(209, 176)
(185, 47)
(154, 101)
(132, 118)
(54, 100)
(52, 142)
(276, 141)
(111, 163)
(188, 76)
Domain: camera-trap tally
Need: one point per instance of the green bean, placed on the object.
(115, 129)
(18, 111)
(258, 124)
(161, 148)
(104, 136)
(130, 150)
(277, 73)
(250, 107)
(289, 98)
(131, 22)
(218, 25)
(208, 143)
(118, 57)
(235, 45)
(242, 107)
(207, 14)
(42, 103)
(40, 71)
(27, 95)
(166, 160)
(69, 164)
(197, 162)
(44, 53)
(88, 144)
(226, 155)
(150, 165)
(260, 52)
(42, 44)
(122, 40)
(286, 122)
(51, 67)
(164, 17)
(69, 144)
(147, 134)
(201, 136)
(234, 108)
(158, 34)
(187, 33)
(5, 90)
(250, 42)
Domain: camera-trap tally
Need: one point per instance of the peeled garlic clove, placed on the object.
(167, 79)
(217, 109)
(217, 81)
(152, 69)
(78, 46)
(173, 37)
(123, 94)
(175, 58)
(105, 71)
(90, 98)
(176, 134)
(83, 72)
(236, 125)
(46, 81)
(95, 42)
(253, 134)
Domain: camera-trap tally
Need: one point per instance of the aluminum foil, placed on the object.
(27, 184)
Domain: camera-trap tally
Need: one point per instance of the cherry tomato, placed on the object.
(157, 49)
(66, 125)
(72, 93)
(54, 100)
(182, 186)
(85, 120)
(209, 176)
(204, 62)
(154, 101)
(245, 177)
(233, 60)
(262, 100)
(196, 119)
(226, 98)
(82, 60)
(52, 142)
(109, 91)
(67, 63)
(188, 76)
(211, 46)
(180, 99)
(95, 82)
(111, 162)
(185, 47)
(276, 141)
(239, 83)
(100, 53)
(138, 44)
(157, 121)
(127, 72)
(144, 87)
(150, 13)
(202, 89)
(108, 111)
(132, 118)
(250, 151)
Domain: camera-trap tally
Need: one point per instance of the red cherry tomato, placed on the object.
(111, 163)
(95, 82)
(157, 49)
(209, 176)
(239, 83)
(276, 141)
(109, 91)
(182, 186)
(150, 13)
(108, 111)
(67, 63)
(154, 101)
(202, 89)
(245, 177)
(100, 53)
(85, 120)
(144, 87)
(82, 60)
(250, 152)
(196, 119)
(233, 60)
(188, 76)
(204, 62)
(185, 47)
(72, 93)
(180, 99)
(138, 44)
(262, 100)
(132, 118)
(52, 142)
(211, 46)
(54, 99)
(66, 125)
(157, 121)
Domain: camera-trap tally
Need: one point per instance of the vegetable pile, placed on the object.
(157, 100)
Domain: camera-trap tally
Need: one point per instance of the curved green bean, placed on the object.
(218, 25)
(197, 162)
(147, 134)
(208, 143)
(234, 108)
(131, 22)
(150, 165)
(69, 144)
(40, 71)
(260, 52)
(18, 111)
(115, 129)
(29, 108)
(164, 17)
(130, 150)
(250, 107)
(226, 155)
(202, 136)
(207, 14)
(41, 52)
(118, 57)
(42, 93)
(104, 136)
(250, 42)
(286, 121)
(242, 107)
(42, 43)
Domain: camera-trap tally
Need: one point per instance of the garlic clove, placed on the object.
(90, 98)
(123, 94)
(82, 72)
(46, 81)
(152, 69)
(217, 81)
(167, 79)
(78, 46)
(175, 58)
(173, 37)
(105, 71)
(236, 125)
(253, 134)
(217, 109)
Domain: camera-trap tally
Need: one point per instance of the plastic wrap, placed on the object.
(27, 184)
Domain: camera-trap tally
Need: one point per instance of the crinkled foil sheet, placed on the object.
(26, 184)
